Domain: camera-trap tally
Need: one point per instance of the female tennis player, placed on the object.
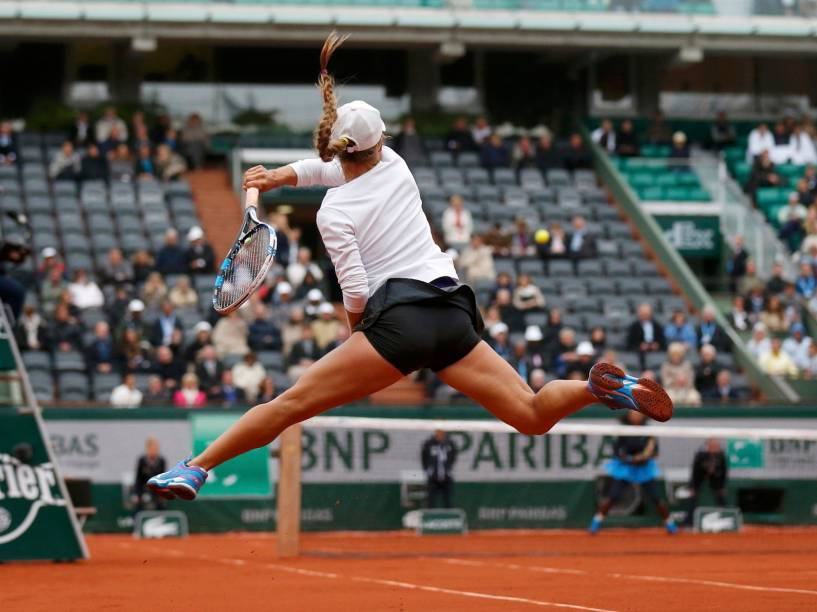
(405, 305)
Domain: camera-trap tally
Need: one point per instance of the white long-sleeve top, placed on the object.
(374, 227)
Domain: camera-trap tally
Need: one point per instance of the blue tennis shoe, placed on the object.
(618, 390)
(183, 481)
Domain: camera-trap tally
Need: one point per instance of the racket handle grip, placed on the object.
(251, 199)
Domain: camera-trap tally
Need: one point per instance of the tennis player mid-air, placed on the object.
(403, 300)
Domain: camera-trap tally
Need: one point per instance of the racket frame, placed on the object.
(250, 219)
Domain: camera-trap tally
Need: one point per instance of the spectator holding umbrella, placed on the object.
(438, 456)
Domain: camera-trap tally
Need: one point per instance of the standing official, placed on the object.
(710, 464)
(438, 457)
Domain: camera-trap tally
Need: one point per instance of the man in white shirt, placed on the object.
(84, 292)
(457, 223)
(126, 395)
(296, 271)
(247, 376)
(108, 122)
(605, 136)
(797, 345)
(760, 139)
(477, 261)
(793, 212)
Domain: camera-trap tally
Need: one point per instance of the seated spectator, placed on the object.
(500, 342)
(228, 394)
(764, 173)
(522, 243)
(201, 337)
(141, 138)
(66, 164)
(538, 378)
(168, 164)
(707, 370)
(266, 391)
(459, 137)
(247, 376)
(171, 258)
(296, 271)
(535, 348)
(523, 155)
(680, 330)
(156, 394)
(611, 356)
(126, 395)
(645, 333)
(806, 283)
(8, 144)
(51, 288)
(168, 367)
(81, 133)
(167, 321)
(293, 330)
(736, 267)
(498, 239)
(120, 164)
(553, 327)
(776, 283)
(527, 296)
(547, 157)
(108, 123)
(585, 358)
(605, 136)
(678, 378)
(580, 243)
(494, 153)
(510, 314)
(801, 147)
(797, 345)
(325, 327)
(158, 133)
(154, 291)
(31, 330)
(116, 270)
(409, 144)
(308, 285)
(722, 390)
(658, 132)
(94, 165)
(577, 155)
(183, 295)
(738, 316)
(679, 150)
(774, 315)
(627, 140)
(263, 334)
(709, 332)
(791, 219)
(756, 301)
(760, 140)
(189, 395)
(481, 131)
(457, 223)
(556, 247)
(804, 192)
(304, 353)
(100, 354)
(759, 344)
(199, 256)
(314, 299)
(341, 336)
(808, 368)
(134, 352)
(143, 265)
(776, 362)
(782, 133)
(194, 141)
(476, 261)
(85, 293)
(143, 165)
(722, 133)
(209, 370)
(563, 353)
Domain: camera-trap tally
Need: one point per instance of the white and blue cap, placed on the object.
(360, 123)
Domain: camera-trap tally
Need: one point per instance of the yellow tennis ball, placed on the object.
(542, 236)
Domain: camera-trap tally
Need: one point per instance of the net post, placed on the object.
(289, 492)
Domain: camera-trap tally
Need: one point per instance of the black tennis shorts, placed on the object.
(416, 325)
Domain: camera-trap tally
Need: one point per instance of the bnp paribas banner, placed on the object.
(35, 519)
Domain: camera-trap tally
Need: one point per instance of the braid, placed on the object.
(327, 148)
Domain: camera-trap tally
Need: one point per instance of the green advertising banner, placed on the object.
(35, 519)
(695, 236)
(247, 475)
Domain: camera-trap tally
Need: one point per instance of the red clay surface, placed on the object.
(646, 570)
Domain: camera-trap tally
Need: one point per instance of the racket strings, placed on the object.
(247, 264)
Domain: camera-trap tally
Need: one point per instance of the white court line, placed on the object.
(645, 578)
(394, 583)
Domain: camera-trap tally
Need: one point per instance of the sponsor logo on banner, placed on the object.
(160, 524)
(717, 520)
(24, 490)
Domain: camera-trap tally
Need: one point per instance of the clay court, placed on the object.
(645, 570)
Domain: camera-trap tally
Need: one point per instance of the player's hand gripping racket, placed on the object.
(248, 261)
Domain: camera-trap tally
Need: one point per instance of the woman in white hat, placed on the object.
(403, 301)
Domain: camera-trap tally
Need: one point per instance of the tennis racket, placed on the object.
(248, 261)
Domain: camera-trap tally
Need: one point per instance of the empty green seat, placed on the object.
(641, 179)
(668, 179)
(699, 194)
(651, 193)
(769, 196)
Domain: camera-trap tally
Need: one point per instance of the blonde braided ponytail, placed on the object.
(328, 148)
